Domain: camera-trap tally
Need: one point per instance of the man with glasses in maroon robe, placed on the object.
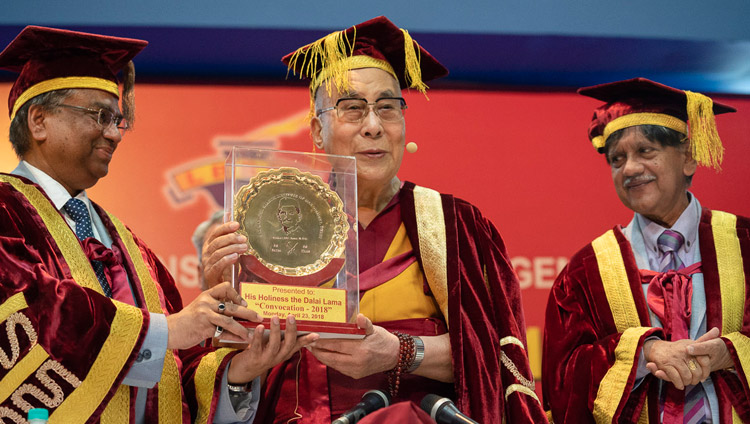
(649, 323)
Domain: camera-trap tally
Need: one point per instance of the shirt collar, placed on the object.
(686, 225)
(54, 190)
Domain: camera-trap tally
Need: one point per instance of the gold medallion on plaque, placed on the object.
(295, 225)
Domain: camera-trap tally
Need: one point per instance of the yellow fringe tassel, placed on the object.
(412, 58)
(326, 61)
(705, 143)
(327, 55)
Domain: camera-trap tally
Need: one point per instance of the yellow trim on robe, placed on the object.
(170, 388)
(21, 371)
(732, 283)
(61, 84)
(428, 206)
(205, 376)
(615, 281)
(741, 344)
(118, 408)
(731, 273)
(511, 340)
(613, 384)
(513, 388)
(83, 401)
(736, 417)
(12, 305)
(70, 247)
(125, 327)
(621, 303)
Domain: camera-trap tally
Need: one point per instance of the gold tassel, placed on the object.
(705, 143)
(128, 94)
(412, 57)
(323, 61)
(598, 142)
(326, 61)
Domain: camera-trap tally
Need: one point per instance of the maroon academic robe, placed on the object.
(66, 347)
(480, 295)
(597, 320)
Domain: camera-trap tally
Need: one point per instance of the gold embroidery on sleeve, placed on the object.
(521, 389)
(511, 340)
(125, 328)
(19, 373)
(13, 415)
(510, 366)
(10, 329)
(57, 392)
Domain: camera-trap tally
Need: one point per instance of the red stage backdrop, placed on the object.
(522, 157)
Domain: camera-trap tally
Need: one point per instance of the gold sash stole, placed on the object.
(432, 244)
(622, 304)
(732, 282)
(170, 387)
(125, 327)
(205, 381)
(433, 248)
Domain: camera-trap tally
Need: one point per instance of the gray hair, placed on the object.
(666, 137)
(199, 236)
(19, 135)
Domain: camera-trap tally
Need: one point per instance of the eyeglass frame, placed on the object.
(367, 110)
(115, 119)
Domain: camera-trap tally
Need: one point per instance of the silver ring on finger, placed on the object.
(222, 307)
(218, 331)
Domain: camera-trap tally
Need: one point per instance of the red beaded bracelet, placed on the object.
(406, 356)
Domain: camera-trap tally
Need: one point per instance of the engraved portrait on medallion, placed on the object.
(294, 222)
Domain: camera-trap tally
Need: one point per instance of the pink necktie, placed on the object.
(669, 296)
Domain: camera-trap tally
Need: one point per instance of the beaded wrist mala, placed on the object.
(406, 356)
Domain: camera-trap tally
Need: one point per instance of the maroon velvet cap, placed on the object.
(647, 98)
(50, 59)
(378, 39)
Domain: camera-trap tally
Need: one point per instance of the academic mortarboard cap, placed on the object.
(640, 101)
(49, 59)
(376, 43)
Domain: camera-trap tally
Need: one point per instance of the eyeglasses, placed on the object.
(388, 109)
(104, 117)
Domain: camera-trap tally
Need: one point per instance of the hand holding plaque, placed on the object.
(302, 250)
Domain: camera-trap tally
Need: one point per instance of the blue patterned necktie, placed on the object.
(80, 214)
